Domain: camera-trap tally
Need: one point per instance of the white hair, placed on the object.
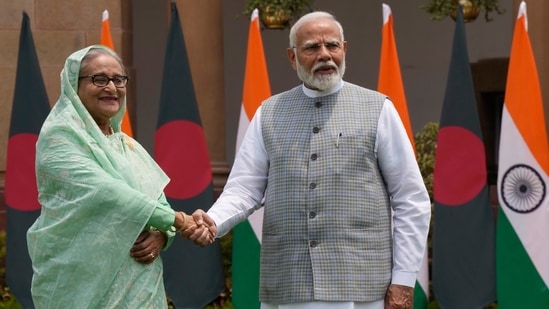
(309, 17)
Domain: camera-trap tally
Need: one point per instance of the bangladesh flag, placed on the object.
(30, 109)
(193, 275)
(464, 227)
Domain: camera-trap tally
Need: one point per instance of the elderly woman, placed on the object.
(104, 215)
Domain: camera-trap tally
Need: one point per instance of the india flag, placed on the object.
(523, 218)
(390, 83)
(247, 235)
(106, 40)
(390, 78)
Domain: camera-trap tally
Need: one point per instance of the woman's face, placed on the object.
(102, 102)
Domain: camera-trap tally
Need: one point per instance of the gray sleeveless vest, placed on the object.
(326, 228)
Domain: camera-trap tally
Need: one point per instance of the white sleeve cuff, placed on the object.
(404, 278)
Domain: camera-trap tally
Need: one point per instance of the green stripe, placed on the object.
(519, 285)
(245, 263)
(420, 297)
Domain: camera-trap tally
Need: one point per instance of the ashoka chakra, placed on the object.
(522, 188)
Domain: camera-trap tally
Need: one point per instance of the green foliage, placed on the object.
(426, 144)
(439, 9)
(226, 305)
(7, 300)
(224, 301)
(2, 254)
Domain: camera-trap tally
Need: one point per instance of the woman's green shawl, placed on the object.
(97, 194)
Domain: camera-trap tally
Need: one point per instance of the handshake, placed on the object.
(198, 227)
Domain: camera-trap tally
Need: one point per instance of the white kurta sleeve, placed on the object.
(409, 198)
(245, 187)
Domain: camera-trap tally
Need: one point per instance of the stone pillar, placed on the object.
(202, 23)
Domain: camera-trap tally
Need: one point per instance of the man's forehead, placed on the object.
(319, 29)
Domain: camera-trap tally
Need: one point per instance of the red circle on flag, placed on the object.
(180, 149)
(21, 191)
(460, 167)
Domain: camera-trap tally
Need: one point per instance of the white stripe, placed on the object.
(243, 124)
(386, 13)
(423, 274)
(256, 222)
(522, 11)
(255, 219)
(255, 15)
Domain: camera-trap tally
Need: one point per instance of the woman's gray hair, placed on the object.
(309, 17)
(94, 52)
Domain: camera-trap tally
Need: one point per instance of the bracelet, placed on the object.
(184, 221)
(173, 229)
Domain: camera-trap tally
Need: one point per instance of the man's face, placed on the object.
(319, 57)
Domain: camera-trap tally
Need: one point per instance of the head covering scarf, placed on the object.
(97, 194)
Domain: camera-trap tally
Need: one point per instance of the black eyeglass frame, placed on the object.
(124, 79)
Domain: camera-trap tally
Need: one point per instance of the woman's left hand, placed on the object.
(147, 246)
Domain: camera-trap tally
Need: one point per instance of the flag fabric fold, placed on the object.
(390, 77)
(390, 83)
(193, 275)
(247, 235)
(30, 109)
(106, 40)
(523, 179)
(464, 227)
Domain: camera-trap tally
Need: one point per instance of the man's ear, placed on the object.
(291, 56)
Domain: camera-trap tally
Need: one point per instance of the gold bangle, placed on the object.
(184, 221)
(173, 228)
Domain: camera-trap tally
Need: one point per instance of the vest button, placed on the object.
(313, 156)
(313, 243)
(312, 214)
(318, 104)
(312, 185)
(316, 129)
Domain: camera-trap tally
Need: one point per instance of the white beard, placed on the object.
(323, 81)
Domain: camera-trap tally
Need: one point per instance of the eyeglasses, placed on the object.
(103, 81)
(313, 48)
